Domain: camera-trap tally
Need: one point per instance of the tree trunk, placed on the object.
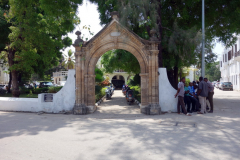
(10, 82)
(159, 23)
(175, 70)
(170, 74)
(15, 86)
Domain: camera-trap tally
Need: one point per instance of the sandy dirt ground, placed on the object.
(117, 131)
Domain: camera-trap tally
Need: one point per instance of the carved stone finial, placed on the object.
(115, 15)
(78, 41)
(78, 33)
(153, 35)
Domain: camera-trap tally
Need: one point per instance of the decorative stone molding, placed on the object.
(116, 36)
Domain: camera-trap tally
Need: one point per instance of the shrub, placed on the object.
(3, 91)
(54, 89)
(40, 90)
(134, 81)
(24, 90)
(104, 83)
(136, 92)
(99, 92)
(187, 82)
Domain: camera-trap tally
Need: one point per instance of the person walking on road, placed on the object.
(180, 94)
(210, 94)
(202, 95)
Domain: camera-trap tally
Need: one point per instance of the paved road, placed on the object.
(119, 132)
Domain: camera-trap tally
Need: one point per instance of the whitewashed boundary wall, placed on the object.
(65, 98)
(62, 101)
(167, 100)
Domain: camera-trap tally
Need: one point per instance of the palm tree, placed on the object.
(70, 61)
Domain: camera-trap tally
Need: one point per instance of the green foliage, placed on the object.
(54, 89)
(213, 72)
(136, 92)
(99, 93)
(37, 31)
(99, 75)
(40, 90)
(25, 90)
(178, 25)
(187, 82)
(120, 59)
(70, 60)
(134, 80)
(37, 34)
(30, 95)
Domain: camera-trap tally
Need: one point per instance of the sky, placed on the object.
(89, 16)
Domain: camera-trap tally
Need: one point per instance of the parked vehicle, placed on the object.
(112, 89)
(28, 86)
(226, 86)
(3, 86)
(45, 84)
(108, 93)
(217, 85)
(124, 90)
(130, 97)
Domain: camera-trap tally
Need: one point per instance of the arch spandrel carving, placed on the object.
(115, 36)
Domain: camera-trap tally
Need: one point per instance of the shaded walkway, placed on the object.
(117, 107)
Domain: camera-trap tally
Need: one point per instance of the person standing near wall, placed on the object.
(210, 94)
(202, 95)
(180, 94)
(195, 103)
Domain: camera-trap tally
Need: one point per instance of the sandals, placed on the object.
(188, 114)
(199, 113)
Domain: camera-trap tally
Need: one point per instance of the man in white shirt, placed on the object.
(180, 94)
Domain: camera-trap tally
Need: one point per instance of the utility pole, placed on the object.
(203, 39)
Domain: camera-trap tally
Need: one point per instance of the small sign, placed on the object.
(48, 97)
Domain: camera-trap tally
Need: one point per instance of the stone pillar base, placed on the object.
(92, 109)
(151, 109)
(80, 109)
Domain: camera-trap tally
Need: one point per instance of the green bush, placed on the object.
(99, 93)
(2, 91)
(187, 82)
(136, 92)
(24, 90)
(54, 89)
(40, 90)
(134, 81)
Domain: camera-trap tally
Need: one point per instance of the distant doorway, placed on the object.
(118, 81)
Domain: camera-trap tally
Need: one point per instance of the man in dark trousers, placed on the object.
(210, 94)
(180, 94)
(202, 93)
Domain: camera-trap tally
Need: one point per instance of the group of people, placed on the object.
(195, 94)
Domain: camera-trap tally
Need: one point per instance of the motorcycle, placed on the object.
(124, 89)
(108, 93)
(112, 89)
(130, 96)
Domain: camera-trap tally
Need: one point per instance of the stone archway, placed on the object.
(115, 36)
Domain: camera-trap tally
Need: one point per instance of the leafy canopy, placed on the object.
(120, 59)
(37, 30)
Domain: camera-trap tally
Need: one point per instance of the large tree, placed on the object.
(164, 16)
(36, 31)
(213, 72)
